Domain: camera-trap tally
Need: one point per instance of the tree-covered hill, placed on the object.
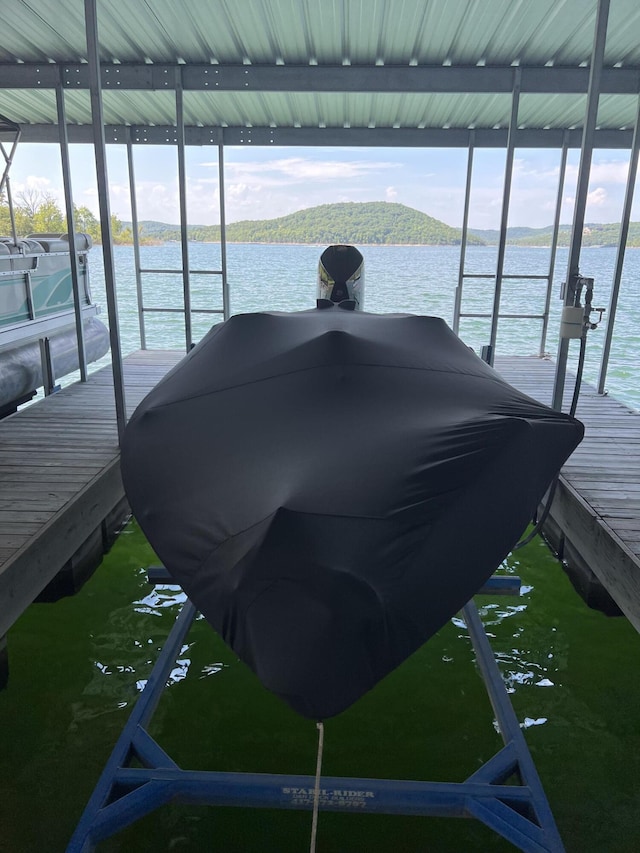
(350, 222)
(594, 234)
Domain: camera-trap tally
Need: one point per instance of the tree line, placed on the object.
(36, 212)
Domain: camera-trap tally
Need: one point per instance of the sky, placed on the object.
(264, 183)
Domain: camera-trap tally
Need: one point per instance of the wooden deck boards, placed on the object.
(597, 505)
(60, 477)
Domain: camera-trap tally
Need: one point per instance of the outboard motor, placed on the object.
(341, 275)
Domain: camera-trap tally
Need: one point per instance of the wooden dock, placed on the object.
(60, 480)
(595, 518)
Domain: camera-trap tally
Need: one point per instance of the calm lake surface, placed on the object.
(413, 279)
(77, 666)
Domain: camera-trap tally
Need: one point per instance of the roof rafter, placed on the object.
(321, 78)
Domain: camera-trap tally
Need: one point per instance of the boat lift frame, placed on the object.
(518, 811)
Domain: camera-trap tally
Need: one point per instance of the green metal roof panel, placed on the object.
(331, 31)
(364, 33)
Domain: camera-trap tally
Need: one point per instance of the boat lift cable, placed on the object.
(586, 326)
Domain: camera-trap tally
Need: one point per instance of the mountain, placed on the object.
(361, 223)
(593, 234)
(514, 234)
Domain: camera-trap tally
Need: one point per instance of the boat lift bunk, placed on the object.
(516, 810)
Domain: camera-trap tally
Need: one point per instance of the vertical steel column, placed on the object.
(71, 227)
(226, 306)
(136, 241)
(91, 24)
(622, 244)
(586, 152)
(502, 242)
(5, 182)
(457, 304)
(182, 188)
(554, 240)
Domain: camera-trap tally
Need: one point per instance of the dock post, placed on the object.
(4, 662)
(586, 153)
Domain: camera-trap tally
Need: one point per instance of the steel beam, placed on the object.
(136, 241)
(622, 244)
(457, 304)
(91, 23)
(318, 78)
(226, 302)
(504, 217)
(71, 232)
(374, 137)
(573, 264)
(182, 192)
(554, 243)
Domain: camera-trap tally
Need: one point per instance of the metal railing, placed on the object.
(543, 317)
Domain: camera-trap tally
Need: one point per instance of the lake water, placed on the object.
(77, 666)
(414, 279)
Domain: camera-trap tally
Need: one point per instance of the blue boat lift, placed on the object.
(516, 810)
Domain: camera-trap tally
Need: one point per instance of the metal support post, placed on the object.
(622, 244)
(182, 189)
(5, 182)
(226, 307)
(554, 241)
(4, 662)
(504, 219)
(136, 240)
(71, 228)
(48, 375)
(457, 304)
(91, 23)
(586, 152)
(516, 810)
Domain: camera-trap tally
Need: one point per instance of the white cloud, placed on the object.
(391, 193)
(607, 172)
(598, 197)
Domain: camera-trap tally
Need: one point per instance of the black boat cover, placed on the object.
(329, 487)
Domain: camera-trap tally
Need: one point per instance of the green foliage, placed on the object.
(595, 234)
(39, 213)
(351, 222)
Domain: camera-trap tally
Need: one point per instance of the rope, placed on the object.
(316, 793)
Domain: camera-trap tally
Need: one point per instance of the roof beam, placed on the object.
(320, 78)
(389, 137)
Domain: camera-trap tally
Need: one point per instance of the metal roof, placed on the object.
(366, 72)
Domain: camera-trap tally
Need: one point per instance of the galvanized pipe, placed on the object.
(554, 241)
(622, 243)
(71, 228)
(136, 240)
(226, 306)
(457, 304)
(182, 190)
(586, 152)
(97, 114)
(502, 241)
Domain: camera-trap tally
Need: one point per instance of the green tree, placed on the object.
(48, 218)
(86, 222)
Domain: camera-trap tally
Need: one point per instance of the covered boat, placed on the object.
(329, 487)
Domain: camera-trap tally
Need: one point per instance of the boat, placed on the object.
(331, 486)
(37, 302)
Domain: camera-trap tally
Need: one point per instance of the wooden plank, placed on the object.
(60, 476)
